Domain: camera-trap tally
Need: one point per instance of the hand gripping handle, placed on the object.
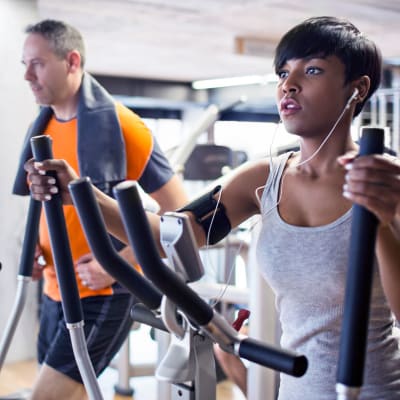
(359, 279)
(41, 149)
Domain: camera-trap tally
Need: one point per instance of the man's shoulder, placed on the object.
(125, 112)
(131, 124)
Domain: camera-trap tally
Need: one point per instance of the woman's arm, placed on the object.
(238, 195)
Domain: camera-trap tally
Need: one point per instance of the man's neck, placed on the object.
(66, 110)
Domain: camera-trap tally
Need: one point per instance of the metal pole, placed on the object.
(24, 276)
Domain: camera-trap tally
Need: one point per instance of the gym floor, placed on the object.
(17, 378)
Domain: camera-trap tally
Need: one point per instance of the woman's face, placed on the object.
(311, 95)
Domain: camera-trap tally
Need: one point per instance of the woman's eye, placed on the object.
(313, 70)
(282, 74)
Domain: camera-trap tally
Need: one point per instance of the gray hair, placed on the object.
(62, 37)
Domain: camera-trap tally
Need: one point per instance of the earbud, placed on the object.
(352, 98)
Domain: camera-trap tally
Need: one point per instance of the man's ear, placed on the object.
(74, 60)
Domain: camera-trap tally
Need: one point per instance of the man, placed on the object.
(107, 142)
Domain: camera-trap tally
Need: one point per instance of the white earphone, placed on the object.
(352, 98)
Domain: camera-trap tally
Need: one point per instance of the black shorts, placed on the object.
(107, 325)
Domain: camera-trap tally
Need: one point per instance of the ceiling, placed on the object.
(185, 40)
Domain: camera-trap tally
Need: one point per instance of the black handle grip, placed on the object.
(100, 243)
(277, 359)
(353, 338)
(142, 241)
(30, 238)
(141, 313)
(41, 150)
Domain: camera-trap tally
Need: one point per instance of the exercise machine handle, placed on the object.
(194, 307)
(24, 275)
(141, 313)
(30, 238)
(41, 150)
(279, 359)
(359, 279)
(142, 241)
(100, 243)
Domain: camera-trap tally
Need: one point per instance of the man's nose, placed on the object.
(29, 75)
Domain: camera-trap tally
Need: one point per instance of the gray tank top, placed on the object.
(306, 268)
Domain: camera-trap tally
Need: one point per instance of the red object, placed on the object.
(243, 315)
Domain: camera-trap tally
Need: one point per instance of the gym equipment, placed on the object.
(24, 275)
(210, 115)
(71, 304)
(353, 338)
(206, 322)
(183, 160)
(100, 243)
(194, 323)
(72, 309)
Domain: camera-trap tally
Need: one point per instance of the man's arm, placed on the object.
(171, 195)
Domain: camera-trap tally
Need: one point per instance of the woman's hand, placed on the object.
(42, 186)
(373, 181)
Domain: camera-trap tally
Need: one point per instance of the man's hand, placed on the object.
(42, 187)
(38, 264)
(92, 273)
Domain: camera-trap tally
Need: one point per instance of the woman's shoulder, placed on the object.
(247, 177)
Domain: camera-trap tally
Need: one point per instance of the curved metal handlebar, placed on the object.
(100, 243)
(196, 309)
(142, 241)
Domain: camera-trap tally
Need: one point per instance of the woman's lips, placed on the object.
(289, 106)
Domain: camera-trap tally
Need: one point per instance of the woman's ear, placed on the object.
(362, 85)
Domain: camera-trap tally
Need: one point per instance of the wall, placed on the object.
(17, 110)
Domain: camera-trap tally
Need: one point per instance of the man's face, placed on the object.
(44, 70)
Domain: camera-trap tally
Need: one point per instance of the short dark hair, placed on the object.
(326, 36)
(62, 36)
